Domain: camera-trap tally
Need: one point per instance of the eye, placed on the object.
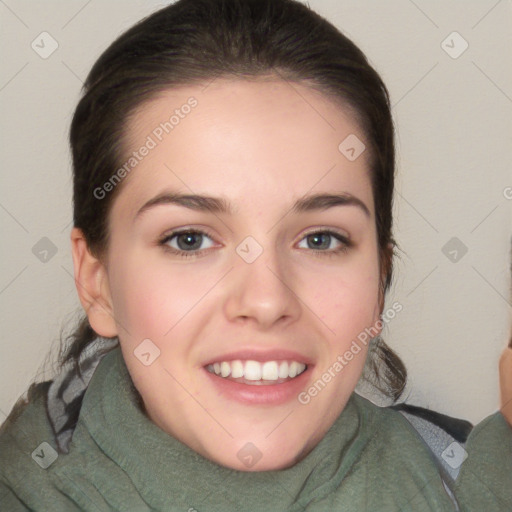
(186, 242)
(189, 242)
(321, 242)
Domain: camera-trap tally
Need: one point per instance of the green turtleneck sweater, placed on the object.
(371, 459)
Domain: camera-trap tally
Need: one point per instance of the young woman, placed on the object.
(232, 243)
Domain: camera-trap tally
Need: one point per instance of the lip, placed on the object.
(268, 394)
(261, 356)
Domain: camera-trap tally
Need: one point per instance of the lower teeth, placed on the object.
(261, 382)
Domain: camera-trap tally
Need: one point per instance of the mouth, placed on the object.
(256, 373)
(255, 378)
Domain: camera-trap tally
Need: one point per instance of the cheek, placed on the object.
(347, 301)
(150, 298)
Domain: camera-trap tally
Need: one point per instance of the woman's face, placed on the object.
(269, 279)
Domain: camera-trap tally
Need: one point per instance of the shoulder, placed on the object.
(403, 425)
(27, 450)
(396, 456)
(16, 432)
(411, 421)
(25, 428)
(21, 434)
(393, 435)
(485, 479)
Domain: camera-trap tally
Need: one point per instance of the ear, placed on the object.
(91, 280)
(386, 264)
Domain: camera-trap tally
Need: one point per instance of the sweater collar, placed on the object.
(160, 466)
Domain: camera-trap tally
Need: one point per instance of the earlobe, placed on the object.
(91, 282)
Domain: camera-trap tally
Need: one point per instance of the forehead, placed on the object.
(244, 139)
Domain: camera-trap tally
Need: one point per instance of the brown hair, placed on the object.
(192, 42)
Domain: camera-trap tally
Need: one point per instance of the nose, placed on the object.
(262, 292)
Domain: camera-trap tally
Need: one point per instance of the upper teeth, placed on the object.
(254, 370)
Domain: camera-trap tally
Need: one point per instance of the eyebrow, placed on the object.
(202, 203)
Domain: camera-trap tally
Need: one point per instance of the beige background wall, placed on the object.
(453, 112)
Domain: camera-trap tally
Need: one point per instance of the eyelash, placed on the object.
(345, 243)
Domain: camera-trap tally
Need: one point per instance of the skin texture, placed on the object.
(261, 145)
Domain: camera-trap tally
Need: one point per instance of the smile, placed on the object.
(257, 373)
